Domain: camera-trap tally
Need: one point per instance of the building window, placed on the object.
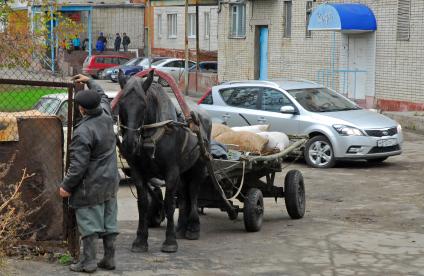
(192, 25)
(207, 25)
(287, 18)
(172, 25)
(159, 25)
(403, 20)
(238, 20)
(308, 17)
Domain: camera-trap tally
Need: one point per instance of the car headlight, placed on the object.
(348, 130)
(399, 128)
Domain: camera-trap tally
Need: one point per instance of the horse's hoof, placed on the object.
(136, 248)
(192, 235)
(169, 248)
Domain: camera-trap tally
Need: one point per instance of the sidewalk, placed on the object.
(413, 120)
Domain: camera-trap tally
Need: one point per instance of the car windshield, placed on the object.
(132, 62)
(47, 105)
(322, 100)
(157, 62)
(144, 62)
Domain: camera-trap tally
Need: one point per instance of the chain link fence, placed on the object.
(36, 119)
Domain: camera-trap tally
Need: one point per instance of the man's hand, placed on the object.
(63, 193)
(80, 78)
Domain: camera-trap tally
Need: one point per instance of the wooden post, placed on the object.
(69, 219)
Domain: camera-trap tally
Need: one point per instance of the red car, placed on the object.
(95, 64)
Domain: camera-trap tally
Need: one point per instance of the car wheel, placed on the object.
(377, 160)
(156, 213)
(319, 153)
(99, 74)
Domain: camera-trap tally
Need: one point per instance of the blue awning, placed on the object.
(349, 18)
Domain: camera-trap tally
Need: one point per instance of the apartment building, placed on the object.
(381, 66)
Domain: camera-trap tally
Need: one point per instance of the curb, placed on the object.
(408, 120)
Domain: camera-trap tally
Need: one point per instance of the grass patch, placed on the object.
(18, 99)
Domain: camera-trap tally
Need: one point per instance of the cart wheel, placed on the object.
(253, 212)
(294, 194)
(156, 212)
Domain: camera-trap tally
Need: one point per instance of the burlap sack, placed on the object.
(247, 141)
(253, 129)
(277, 141)
(218, 129)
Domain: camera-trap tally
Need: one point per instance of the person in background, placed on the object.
(84, 44)
(76, 42)
(117, 42)
(63, 44)
(100, 46)
(92, 180)
(103, 39)
(125, 41)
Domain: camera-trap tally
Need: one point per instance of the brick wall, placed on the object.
(179, 53)
(398, 64)
(112, 20)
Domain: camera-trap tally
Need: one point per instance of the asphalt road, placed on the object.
(361, 219)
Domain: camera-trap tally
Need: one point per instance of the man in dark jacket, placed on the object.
(125, 41)
(92, 180)
(117, 42)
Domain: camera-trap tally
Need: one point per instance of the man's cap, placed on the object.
(88, 99)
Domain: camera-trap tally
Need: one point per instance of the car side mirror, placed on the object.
(287, 109)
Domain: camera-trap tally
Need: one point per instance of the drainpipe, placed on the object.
(186, 48)
(52, 38)
(197, 42)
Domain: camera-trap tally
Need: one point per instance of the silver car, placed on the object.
(337, 127)
(172, 66)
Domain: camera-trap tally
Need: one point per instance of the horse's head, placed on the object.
(132, 111)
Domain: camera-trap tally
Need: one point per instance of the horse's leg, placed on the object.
(172, 181)
(197, 179)
(140, 243)
(183, 208)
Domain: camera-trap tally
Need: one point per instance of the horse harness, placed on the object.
(149, 141)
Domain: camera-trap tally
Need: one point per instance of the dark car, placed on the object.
(132, 68)
(107, 73)
(206, 67)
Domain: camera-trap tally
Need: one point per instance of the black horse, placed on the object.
(157, 144)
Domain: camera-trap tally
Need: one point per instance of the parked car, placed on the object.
(133, 67)
(205, 67)
(173, 66)
(206, 77)
(95, 64)
(337, 127)
(57, 104)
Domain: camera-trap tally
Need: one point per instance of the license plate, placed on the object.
(386, 142)
(113, 76)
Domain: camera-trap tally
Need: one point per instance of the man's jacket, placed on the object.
(92, 177)
(126, 40)
(118, 41)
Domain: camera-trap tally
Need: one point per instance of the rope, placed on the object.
(241, 184)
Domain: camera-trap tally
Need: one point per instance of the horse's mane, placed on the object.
(156, 99)
(165, 107)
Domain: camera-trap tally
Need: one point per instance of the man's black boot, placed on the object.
(108, 261)
(87, 262)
